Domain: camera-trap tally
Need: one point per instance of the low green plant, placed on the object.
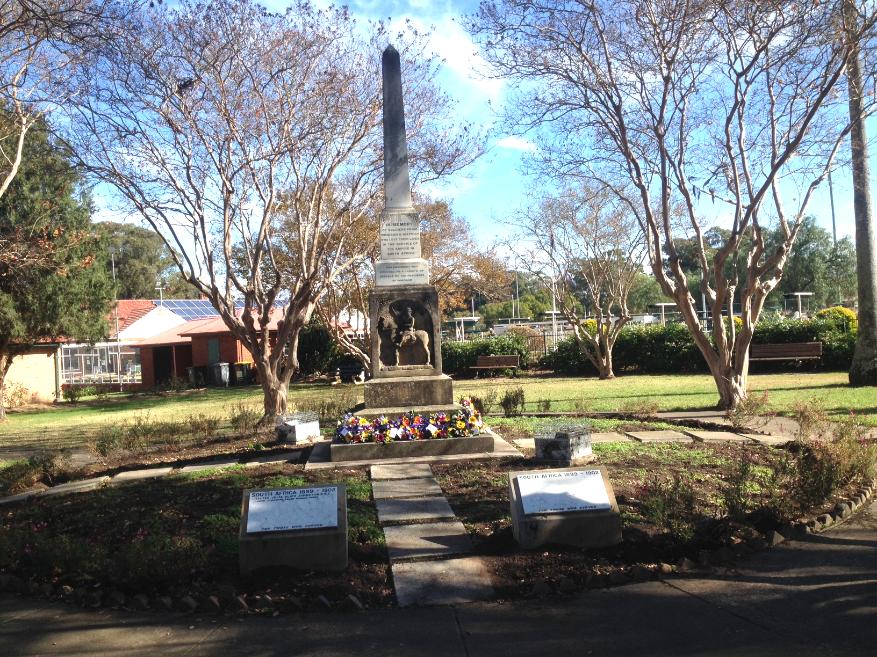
(750, 412)
(72, 393)
(244, 419)
(512, 401)
(670, 504)
(484, 404)
(108, 438)
(15, 395)
(178, 384)
(640, 407)
(202, 425)
(738, 490)
(811, 417)
(332, 409)
(22, 474)
(544, 405)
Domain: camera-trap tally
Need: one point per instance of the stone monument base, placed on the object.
(412, 393)
(585, 529)
(480, 444)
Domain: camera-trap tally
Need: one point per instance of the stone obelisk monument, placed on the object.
(405, 331)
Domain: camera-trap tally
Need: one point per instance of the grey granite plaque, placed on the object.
(562, 491)
(400, 237)
(401, 272)
(292, 508)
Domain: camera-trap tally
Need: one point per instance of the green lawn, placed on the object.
(72, 425)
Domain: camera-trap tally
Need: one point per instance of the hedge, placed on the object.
(657, 349)
(458, 357)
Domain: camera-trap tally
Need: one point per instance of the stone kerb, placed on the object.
(567, 506)
(304, 528)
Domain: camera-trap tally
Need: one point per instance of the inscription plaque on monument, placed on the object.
(395, 273)
(400, 238)
(559, 492)
(292, 508)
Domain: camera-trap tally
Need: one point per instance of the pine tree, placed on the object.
(52, 280)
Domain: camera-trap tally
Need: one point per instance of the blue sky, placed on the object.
(489, 192)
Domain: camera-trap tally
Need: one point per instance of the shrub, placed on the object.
(317, 349)
(25, 473)
(15, 395)
(568, 359)
(811, 417)
(484, 405)
(670, 504)
(512, 402)
(244, 419)
(750, 412)
(839, 316)
(202, 425)
(108, 438)
(738, 490)
(71, 393)
(640, 407)
(458, 357)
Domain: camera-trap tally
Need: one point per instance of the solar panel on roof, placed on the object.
(189, 309)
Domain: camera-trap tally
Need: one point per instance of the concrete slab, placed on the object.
(609, 437)
(319, 460)
(660, 437)
(276, 458)
(432, 539)
(136, 475)
(379, 472)
(771, 441)
(525, 443)
(423, 487)
(20, 497)
(408, 509)
(716, 436)
(207, 466)
(447, 582)
(80, 486)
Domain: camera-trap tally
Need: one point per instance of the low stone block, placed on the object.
(431, 539)
(568, 506)
(563, 446)
(770, 441)
(608, 437)
(408, 509)
(660, 437)
(402, 471)
(297, 428)
(209, 465)
(716, 436)
(301, 528)
(445, 582)
(135, 475)
(411, 448)
(410, 392)
(423, 487)
(80, 486)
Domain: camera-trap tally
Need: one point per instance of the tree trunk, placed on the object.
(274, 393)
(863, 371)
(605, 370)
(5, 364)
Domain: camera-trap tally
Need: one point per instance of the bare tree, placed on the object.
(250, 142)
(727, 110)
(588, 248)
(42, 43)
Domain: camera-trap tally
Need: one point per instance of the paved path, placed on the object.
(426, 543)
(815, 597)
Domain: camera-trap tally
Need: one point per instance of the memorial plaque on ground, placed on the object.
(292, 508)
(303, 528)
(565, 506)
(561, 491)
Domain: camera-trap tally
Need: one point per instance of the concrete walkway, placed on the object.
(814, 597)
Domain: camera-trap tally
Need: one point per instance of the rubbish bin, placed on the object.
(220, 374)
(191, 373)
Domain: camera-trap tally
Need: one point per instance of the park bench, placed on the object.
(350, 372)
(789, 351)
(511, 362)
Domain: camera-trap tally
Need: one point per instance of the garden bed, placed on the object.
(176, 539)
(405, 449)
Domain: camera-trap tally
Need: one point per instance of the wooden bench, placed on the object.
(789, 351)
(496, 363)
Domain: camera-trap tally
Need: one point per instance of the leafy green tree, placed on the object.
(816, 266)
(52, 279)
(141, 259)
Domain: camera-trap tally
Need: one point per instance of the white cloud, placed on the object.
(515, 143)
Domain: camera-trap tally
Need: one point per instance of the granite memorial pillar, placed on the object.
(405, 347)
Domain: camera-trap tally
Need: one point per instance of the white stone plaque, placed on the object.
(401, 272)
(292, 508)
(563, 490)
(400, 237)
